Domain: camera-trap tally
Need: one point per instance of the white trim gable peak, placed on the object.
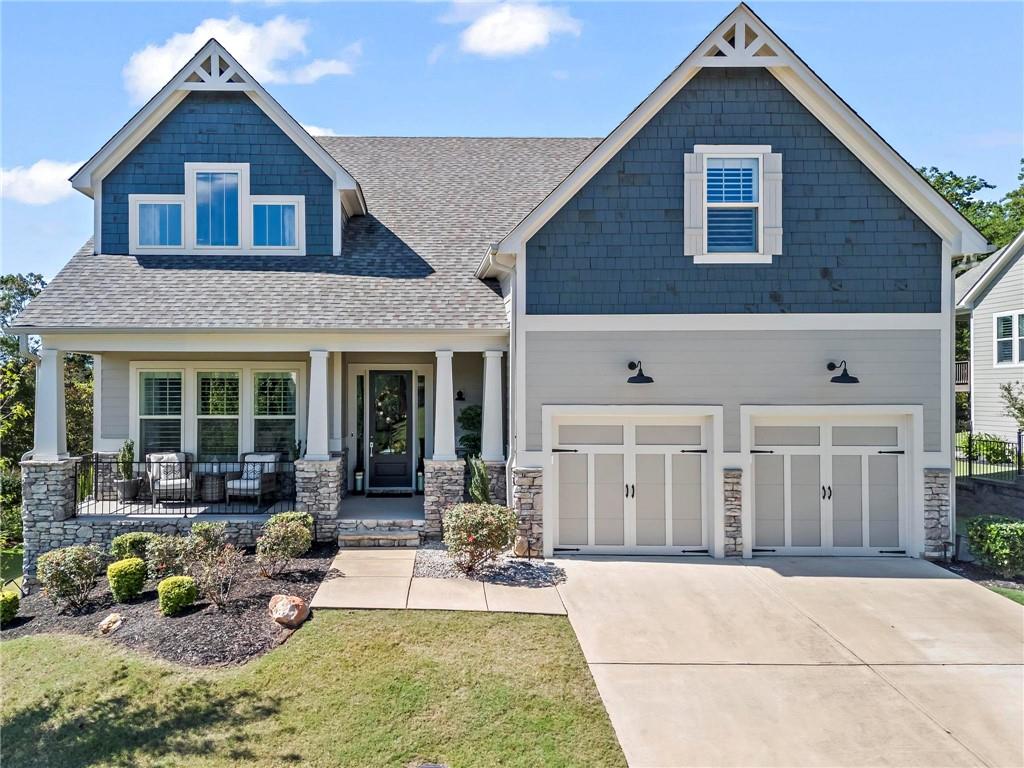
(742, 39)
(212, 68)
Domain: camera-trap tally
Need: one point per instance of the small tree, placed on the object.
(126, 460)
(470, 419)
(1013, 401)
(479, 488)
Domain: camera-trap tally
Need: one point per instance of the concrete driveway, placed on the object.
(801, 661)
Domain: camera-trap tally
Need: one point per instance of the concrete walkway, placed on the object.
(382, 578)
(800, 661)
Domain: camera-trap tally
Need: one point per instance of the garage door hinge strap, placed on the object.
(898, 452)
(754, 450)
(694, 450)
(564, 450)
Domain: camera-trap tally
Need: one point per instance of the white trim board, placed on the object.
(999, 261)
(739, 322)
(811, 91)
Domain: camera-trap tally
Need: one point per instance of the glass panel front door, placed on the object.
(390, 430)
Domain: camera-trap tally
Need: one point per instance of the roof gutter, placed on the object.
(495, 263)
(23, 349)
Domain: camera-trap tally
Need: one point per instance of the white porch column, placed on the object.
(444, 409)
(51, 437)
(317, 420)
(491, 444)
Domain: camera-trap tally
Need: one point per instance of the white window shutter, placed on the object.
(693, 204)
(772, 204)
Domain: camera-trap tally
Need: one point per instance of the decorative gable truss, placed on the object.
(214, 69)
(738, 45)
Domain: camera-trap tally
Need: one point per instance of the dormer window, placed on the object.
(217, 215)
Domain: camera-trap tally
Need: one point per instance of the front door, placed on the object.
(390, 429)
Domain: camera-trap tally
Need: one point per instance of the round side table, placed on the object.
(212, 488)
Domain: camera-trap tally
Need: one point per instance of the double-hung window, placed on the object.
(732, 204)
(1009, 339)
(217, 411)
(217, 215)
(274, 413)
(160, 398)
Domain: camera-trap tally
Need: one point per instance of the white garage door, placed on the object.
(630, 485)
(829, 488)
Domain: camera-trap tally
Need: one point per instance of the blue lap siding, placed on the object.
(218, 128)
(849, 243)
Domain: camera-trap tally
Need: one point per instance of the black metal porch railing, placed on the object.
(105, 486)
(962, 371)
(989, 457)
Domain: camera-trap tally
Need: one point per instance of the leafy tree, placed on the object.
(1012, 394)
(999, 221)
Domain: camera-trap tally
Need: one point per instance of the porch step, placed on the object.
(379, 533)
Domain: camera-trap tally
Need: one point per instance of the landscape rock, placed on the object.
(288, 610)
(110, 624)
(522, 546)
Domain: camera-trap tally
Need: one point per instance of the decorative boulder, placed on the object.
(110, 624)
(288, 610)
(521, 547)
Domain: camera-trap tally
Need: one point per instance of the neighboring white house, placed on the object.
(991, 297)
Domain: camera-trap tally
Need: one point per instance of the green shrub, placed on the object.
(10, 505)
(995, 449)
(9, 605)
(203, 540)
(175, 594)
(998, 543)
(479, 487)
(281, 543)
(67, 575)
(126, 578)
(291, 517)
(131, 544)
(164, 556)
(477, 533)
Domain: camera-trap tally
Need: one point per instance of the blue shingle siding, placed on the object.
(218, 128)
(849, 243)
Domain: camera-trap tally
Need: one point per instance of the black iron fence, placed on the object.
(991, 457)
(106, 486)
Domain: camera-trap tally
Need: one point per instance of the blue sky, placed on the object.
(942, 82)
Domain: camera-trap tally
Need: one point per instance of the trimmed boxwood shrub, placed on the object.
(164, 556)
(293, 516)
(998, 542)
(478, 533)
(131, 544)
(280, 543)
(68, 574)
(9, 605)
(126, 578)
(175, 594)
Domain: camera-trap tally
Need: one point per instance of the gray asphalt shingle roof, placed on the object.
(435, 205)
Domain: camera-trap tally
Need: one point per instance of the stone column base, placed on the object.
(318, 490)
(497, 485)
(733, 491)
(937, 488)
(48, 499)
(528, 504)
(444, 486)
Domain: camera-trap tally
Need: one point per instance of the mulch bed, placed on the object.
(432, 561)
(202, 637)
(983, 576)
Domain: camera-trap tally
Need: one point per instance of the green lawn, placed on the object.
(10, 564)
(1017, 595)
(361, 689)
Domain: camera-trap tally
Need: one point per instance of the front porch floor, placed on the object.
(172, 509)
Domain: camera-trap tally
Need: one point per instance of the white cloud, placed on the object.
(509, 29)
(318, 130)
(263, 49)
(43, 182)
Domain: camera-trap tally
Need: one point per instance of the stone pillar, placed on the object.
(48, 499)
(444, 410)
(497, 482)
(317, 442)
(937, 485)
(51, 443)
(318, 489)
(492, 446)
(733, 491)
(444, 484)
(528, 503)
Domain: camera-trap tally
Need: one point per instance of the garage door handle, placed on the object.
(830, 493)
(633, 487)
(627, 490)
(823, 492)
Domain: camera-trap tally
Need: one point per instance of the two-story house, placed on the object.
(726, 327)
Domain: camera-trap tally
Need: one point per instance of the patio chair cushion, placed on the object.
(244, 485)
(167, 466)
(173, 484)
(258, 463)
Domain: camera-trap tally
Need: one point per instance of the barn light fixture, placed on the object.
(844, 377)
(639, 377)
(460, 397)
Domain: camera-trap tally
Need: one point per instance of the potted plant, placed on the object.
(127, 486)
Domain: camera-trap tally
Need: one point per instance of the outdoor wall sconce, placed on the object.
(460, 397)
(639, 377)
(844, 377)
